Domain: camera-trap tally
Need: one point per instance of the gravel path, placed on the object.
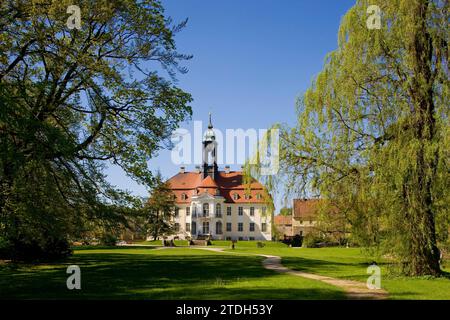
(353, 289)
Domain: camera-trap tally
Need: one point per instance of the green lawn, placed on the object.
(352, 263)
(188, 273)
(148, 273)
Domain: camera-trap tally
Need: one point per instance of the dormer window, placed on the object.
(235, 196)
(247, 197)
(258, 196)
(183, 196)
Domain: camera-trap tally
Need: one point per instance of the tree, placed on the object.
(74, 101)
(160, 209)
(373, 134)
(286, 211)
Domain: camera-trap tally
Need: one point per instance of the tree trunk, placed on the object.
(424, 254)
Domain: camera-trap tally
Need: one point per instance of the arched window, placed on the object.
(218, 210)
(218, 227)
(206, 209)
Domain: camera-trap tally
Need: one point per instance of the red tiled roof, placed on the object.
(306, 208)
(208, 182)
(283, 220)
(191, 183)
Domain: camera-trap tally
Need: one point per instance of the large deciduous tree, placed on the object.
(373, 133)
(76, 100)
(159, 209)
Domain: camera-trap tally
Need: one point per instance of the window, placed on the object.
(235, 196)
(240, 238)
(228, 226)
(188, 227)
(252, 211)
(183, 196)
(240, 211)
(310, 221)
(301, 221)
(205, 227)
(218, 227)
(194, 227)
(263, 227)
(195, 211)
(177, 212)
(188, 211)
(218, 210)
(247, 197)
(240, 227)
(228, 211)
(206, 209)
(258, 196)
(301, 233)
(228, 238)
(251, 238)
(177, 227)
(252, 226)
(263, 210)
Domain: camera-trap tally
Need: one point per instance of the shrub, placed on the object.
(297, 241)
(311, 240)
(34, 250)
(5, 248)
(108, 239)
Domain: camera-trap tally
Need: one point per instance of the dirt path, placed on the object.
(353, 289)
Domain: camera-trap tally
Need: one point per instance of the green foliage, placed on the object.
(73, 102)
(42, 249)
(312, 240)
(5, 248)
(159, 209)
(372, 135)
(286, 211)
(108, 239)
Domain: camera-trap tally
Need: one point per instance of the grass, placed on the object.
(248, 244)
(148, 273)
(352, 263)
(189, 273)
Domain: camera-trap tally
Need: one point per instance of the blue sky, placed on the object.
(252, 59)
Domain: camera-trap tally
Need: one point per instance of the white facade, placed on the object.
(209, 215)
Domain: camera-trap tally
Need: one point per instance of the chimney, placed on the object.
(227, 169)
(182, 169)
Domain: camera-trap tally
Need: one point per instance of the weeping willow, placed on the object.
(373, 131)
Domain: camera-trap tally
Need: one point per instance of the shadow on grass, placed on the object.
(82, 248)
(339, 269)
(153, 276)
